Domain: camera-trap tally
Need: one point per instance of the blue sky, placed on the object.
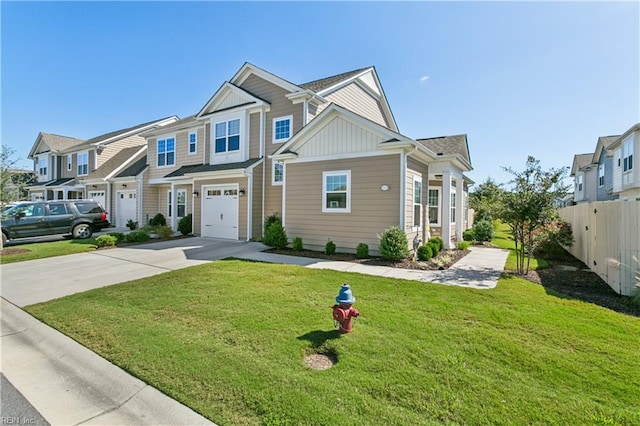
(543, 78)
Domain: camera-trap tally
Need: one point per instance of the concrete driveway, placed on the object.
(26, 283)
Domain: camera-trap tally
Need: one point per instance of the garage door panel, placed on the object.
(220, 212)
(126, 207)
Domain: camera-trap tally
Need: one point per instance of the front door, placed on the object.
(220, 211)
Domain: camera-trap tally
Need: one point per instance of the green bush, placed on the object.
(106, 241)
(297, 244)
(468, 235)
(158, 220)
(131, 224)
(330, 248)
(164, 232)
(435, 247)
(463, 245)
(393, 244)
(139, 236)
(275, 236)
(438, 241)
(483, 230)
(184, 225)
(118, 235)
(362, 251)
(271, 219)
(425, 252)
(549, 241)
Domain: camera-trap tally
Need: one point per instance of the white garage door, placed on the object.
(126, 208)
(98, 196)
(220, 212)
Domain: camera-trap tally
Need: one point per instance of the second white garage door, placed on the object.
(220, 211)
(126, 208)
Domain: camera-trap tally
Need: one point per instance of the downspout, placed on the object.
(108, 201)
(140, 196)
(284, 192)
(249, 204)
(264, 166)
(403, 184)
(174, 207)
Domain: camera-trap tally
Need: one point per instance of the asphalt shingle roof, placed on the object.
(202, 168)
(58, 142)
(113, 163)
(135, 169)
(59, 182)
(115, 133)
(448, 145)
(607, 140)
(323, 83)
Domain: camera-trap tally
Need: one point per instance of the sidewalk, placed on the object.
(480, 269)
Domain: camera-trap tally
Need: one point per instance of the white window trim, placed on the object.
(273, 173)
(273, 128)
(229, 156)
(324, 191)
(627, 152)
(413, 204)
(164, 138)
(169, 200)
(43, 160)
(69, 162)
(439, 205)
(186, 202)
(579, 183)
(79, 164)
(453, 206)
(195, 132)
(600, 169)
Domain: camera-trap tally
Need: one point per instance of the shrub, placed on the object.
(330, 248)
(439, 242)
(297, 244)
(158, 220)
(483, 230)
(362, 251)
(425, 252)
(139, 236)
(549, 241)
(106, 241)
(463, 245)
(184, 225)
(131, 224)
(118, 235)
(275, 235)
(271, 219)
(468, 235)
(435, 247)
(164, 232)
(394, 244)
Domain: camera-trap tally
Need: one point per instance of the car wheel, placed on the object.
(82, 231)
(4, 239)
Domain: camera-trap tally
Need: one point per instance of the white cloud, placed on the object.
(424, 78)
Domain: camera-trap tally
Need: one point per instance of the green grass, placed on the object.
(48, 249)
(228, 340)
(502, 238)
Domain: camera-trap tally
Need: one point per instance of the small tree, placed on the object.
(394, 244)
(12, 180)
(485, 200)
(529, 206)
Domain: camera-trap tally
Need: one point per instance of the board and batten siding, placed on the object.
(354, 98)
(372, 210)
(242, 204)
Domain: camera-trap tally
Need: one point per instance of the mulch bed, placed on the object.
(10, 251)
(444, 260)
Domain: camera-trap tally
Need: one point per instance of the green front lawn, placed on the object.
(47, 249)
(228, 340)
(502, 238)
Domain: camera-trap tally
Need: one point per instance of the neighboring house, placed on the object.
(626, 176)
(70, 168)
(603, 162)
(326, 156)
(584, 178)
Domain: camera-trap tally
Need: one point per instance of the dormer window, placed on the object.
(83, 163)
(227, 136)
(282, 129)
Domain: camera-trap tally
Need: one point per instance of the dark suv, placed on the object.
(79, 218)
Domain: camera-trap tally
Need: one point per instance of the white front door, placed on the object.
(220, 211)
(98, 196)
(126, 207)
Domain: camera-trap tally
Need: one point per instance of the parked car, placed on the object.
(80, 218)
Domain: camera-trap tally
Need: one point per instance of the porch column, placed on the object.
(459, 209)
(446, 210)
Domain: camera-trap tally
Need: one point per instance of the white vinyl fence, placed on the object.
(607, 238)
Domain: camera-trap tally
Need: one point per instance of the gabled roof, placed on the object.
(122, 158)
(325, 83)
(59, 182)
(117, 134)
(448, 145)
(56, 143)
(604, 142)
(248, 69)
(135, 169)
(222, 94)
(579, 161)
(634, 128)
(203, 168)
(183, 123)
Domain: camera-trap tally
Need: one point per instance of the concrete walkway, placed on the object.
(68, 384)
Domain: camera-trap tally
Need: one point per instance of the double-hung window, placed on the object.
(601, 175)
(434, 206)
(69, 162)
(278, 173)
(627, 155)
(579, 182)
(417, 203)
(42, 166)
(227, 136)
(453, 207)
(336, 192)
(193, 142)
(83, 163)
(282, 129)
(166, 152)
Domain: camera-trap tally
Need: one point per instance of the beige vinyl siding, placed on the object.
(242, 204)
(356, 99)
(257, 202)
(372, 210)
(150, 198)
(156, 172)
(254, 135)
(113, 148)
(183, 158)
(418, 170)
